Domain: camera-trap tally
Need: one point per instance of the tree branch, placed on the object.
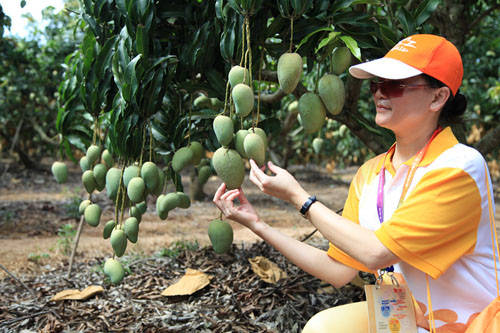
(272, 98)
(45, 138)
(489, 142)
(482, 16)
(21, 282)
(272, 76)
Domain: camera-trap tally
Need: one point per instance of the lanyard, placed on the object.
(406, 185)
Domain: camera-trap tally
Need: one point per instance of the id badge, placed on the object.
(390, 309)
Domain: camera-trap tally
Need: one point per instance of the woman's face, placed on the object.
(403, 104)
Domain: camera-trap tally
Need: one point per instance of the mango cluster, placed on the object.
(330, 96)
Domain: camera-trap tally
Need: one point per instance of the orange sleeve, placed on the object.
(350, 212)
(437, 223)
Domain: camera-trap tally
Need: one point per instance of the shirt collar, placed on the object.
(443, 141)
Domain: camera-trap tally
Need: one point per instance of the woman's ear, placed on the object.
(440, 97)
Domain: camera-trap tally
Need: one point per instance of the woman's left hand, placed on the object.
(281, 185)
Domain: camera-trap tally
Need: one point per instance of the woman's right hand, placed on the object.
(244, 213)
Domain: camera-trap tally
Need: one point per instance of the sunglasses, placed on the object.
(392, 88)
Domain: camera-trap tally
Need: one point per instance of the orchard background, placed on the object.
(143, 79)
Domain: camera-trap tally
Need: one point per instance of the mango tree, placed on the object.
(158, 87)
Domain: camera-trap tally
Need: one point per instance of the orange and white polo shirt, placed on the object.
(441, 229)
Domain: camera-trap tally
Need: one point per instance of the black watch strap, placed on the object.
(307, 205)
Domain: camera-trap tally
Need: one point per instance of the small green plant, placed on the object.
(177, 247)
(6, 216)
(37, 257)
(66, 234)
(71, 207)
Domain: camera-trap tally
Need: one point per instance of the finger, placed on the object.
(242, 198)
(274, 168)
(219, 192)
(259, 174)
(233, 196)
(227, 194)
(255, 180)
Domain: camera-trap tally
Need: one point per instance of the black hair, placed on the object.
(454, 108)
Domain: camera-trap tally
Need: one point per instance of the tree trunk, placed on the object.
(196, 189)
(489, 142)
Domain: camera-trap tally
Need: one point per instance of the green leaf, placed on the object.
(104, 57)
(227, 42)
(339, 5)
(352, 45)
(406, 20)
(141, 40)
(425, 10)
(23, 3)
(306, 38)
(285, 8)
(332, 37)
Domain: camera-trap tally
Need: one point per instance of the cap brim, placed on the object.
(386, 68)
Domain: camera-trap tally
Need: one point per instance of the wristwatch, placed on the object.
(307, 205)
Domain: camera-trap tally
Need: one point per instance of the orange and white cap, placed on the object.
(423, 53)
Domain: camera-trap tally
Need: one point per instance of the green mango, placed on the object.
(182, 158)
(198, 152)
(224, 130)
(60, 172)
(142, 207)
(317, 144)
(149, 173)
(93, 153)
(238, 75)
(312, 112)
(108, 228)
(136, 189)
(100, 171)
(255, 148)
(88, 181)
(204, 173)
(84, 164)
(239, 138)
(161, 207)
(107, 158)
(130, 172)
(184, 200)
(260, 132)
(243, 99)
(112, 182)
(84, 204)
(114, 270)
(171, 201)
(135, 212)
(229, 167)
(161, 182)
(118, 242)
(92, 214)
(220, 233)
(332, 92)
(341, 59)
(131, 229)
(289, 71)
(202, 102)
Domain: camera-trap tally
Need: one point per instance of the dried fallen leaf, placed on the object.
(267, 270)
(191, 282)
(75, 294)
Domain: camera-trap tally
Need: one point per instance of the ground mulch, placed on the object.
(236, 300)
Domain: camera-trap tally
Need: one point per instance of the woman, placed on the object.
(429, 191)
